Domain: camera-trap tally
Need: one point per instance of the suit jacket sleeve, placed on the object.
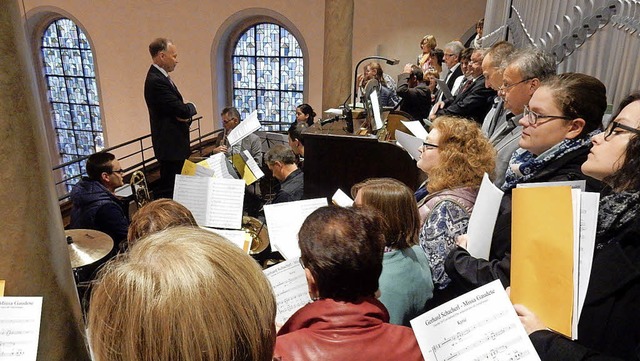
(552, 346)
(475, 100)
(412, 95)
(169, 99)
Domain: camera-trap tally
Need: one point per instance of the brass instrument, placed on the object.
(257, 233)
(139, 188)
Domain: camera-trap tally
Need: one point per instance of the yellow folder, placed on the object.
(542, 254)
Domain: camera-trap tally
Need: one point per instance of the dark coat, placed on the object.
(291, 189)
(467, 272)
(610, 320)
(473, 103)
(95, 207)
(170, 136)
(415, 101)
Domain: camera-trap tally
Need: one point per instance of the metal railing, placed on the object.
(141, 164)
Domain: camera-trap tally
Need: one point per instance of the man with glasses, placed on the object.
(452, 58)
(474, 99)
(95, 205)
(524, 70)
(492, 69)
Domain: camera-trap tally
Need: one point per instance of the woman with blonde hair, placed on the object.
(405, 283)
(455, 157)
(427, 45)
(182, 294)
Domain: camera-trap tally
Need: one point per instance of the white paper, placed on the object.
(284, 221)
(202, 171)
(242, 130)
(575, 205)
(289, 286)
(483, 219)
(577, 184)
(410, 143)
(442, 85)
(334, 111)
(218, 163)
(236, 237)
(19, 328)
(253, 166)
(416, 128)
(589, 204)
(479, 325)
(214, 202)
(375, 108)
(341, 199)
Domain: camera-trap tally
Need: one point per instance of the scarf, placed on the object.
(524, 165)
(616, 211)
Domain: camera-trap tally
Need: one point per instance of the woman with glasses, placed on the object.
(341, 251)
(455, 157)
(562, 115)
(608, 327)
(405, 282)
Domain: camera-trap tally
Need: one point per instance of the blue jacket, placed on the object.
(95, 207)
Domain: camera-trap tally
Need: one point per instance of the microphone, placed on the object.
(393, 61)
(330, 120)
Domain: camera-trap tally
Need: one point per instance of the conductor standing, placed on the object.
(169, 114)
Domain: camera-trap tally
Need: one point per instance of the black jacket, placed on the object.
(473, 103)
(415, 101)
(609, 326)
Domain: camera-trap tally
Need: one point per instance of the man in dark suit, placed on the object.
(474, 99)
(169, 114)
(452, 58)
(416, 96)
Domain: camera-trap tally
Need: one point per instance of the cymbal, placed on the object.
(87, 246)
(258, 232)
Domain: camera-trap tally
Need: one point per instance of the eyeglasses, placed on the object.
(426, 145)
(611, 128)
(119, 171)
(448, 55)
(533, 117)
(504, 87)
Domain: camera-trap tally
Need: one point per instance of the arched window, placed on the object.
(72, 93)
(268, 75)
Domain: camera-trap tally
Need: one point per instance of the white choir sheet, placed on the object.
(483, 219)
(237, 237)
(479, 325)
(19, 328)
(249, 125)
(214, 202)
(341, 199)
(218, 163)
(284, 221)
(410, 143)
(416, 128)
(375, 107)
(290, 287)
(253, 166)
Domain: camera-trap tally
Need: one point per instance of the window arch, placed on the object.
(268, 74)
(72, 92)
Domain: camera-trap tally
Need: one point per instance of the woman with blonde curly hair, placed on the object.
(455, 157)
(182, 294)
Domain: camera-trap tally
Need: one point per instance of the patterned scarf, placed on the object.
(524, 165)
(615, 212)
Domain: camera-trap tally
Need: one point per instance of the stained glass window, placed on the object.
(73, 94)
(268, 75)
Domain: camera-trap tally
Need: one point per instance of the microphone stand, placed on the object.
(355, 72)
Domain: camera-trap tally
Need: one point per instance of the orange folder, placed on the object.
(542, 254)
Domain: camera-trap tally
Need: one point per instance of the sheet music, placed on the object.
(284, 221)
(575, 203)
(410, 143)
(191, 192)
(225, 203)
(218, 163)
(253, 166)
(479, 325)
(214, 202)
(483, 219)
(242, 130)
(289, 286)
(19, 328)
(375, 107)
(341, 199)
(442, 85)
(239, 238)
(416, 128)
(577, 184)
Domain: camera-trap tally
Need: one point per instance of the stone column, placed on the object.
(338, 38)
(34, 260)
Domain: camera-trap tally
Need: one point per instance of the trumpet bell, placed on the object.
(257, 232)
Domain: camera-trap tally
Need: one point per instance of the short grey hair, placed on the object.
(456, 48)
(280, 153)
(232, 112)
(533, 63)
